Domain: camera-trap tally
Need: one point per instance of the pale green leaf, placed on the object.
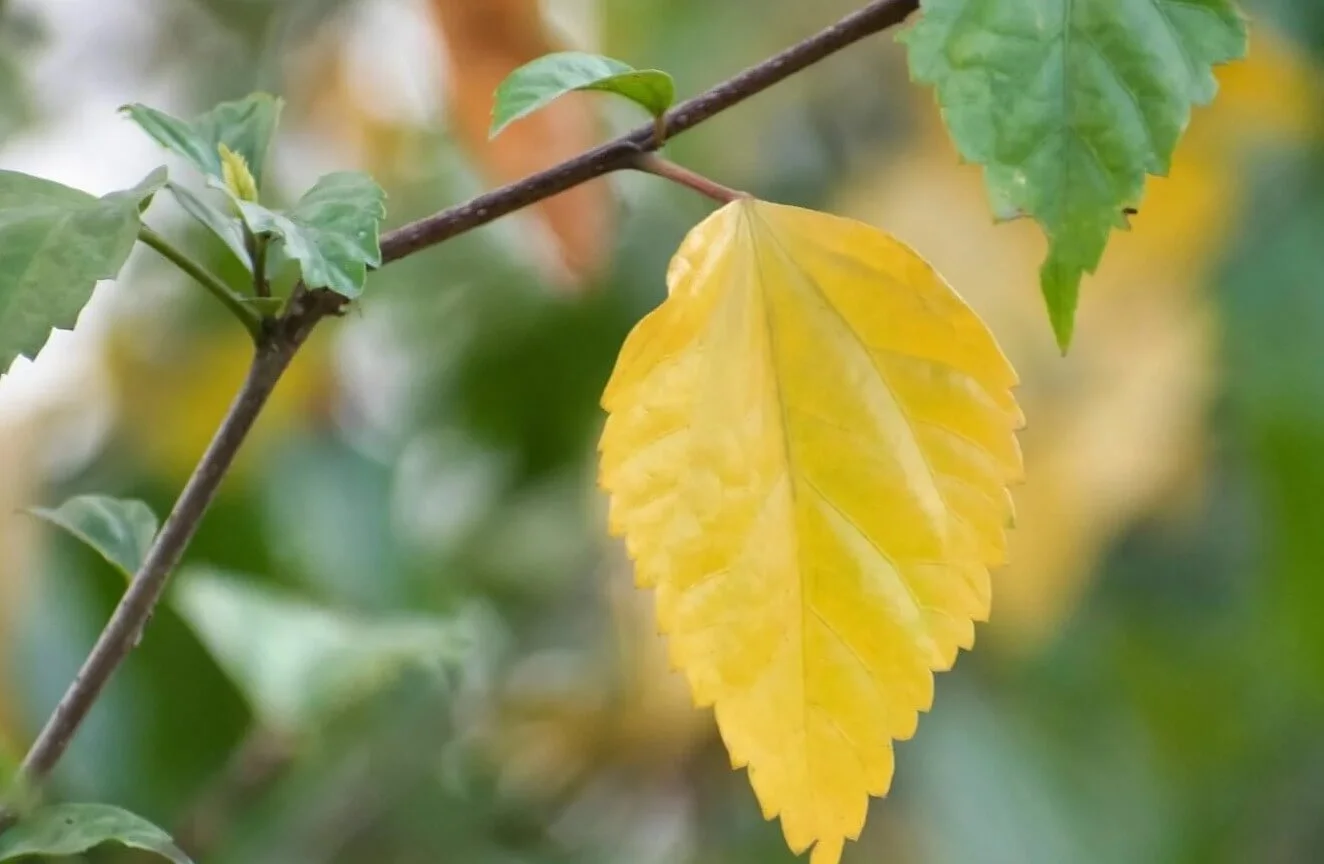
(121, 531)
(245, 126)
(55, 244)
(145, 190)
(295, 660)
(536, 84)
(1068, 105)
(333, 231)
(72, 829)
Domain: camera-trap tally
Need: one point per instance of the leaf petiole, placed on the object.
(257, 254)
(218, 289)
(651, 164)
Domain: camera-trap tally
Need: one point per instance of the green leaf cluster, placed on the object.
(56, 243)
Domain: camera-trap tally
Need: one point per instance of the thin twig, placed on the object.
(279, 339)
(203, 277)
(125, 627)
(652, 164)
(616, 155)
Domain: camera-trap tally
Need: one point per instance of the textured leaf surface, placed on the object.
(71, 829)
(333, 231)
(245, 126)
(1068, 105)
(55, 243)
(121, 531)
(538, 83)
(808, 450)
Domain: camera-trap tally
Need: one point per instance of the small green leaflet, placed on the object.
(333, 231)
(245, 126)
(72, 829)
(55, 244)
(542, 81)
(121, 531)
(1068, 104)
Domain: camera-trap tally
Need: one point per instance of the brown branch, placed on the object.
(276, 348)
(280, 340)
(617, 155)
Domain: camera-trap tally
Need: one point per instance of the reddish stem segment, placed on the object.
(651, 164)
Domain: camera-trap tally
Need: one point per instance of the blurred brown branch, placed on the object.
(281, 338)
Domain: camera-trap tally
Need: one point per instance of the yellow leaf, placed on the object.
(808, 452)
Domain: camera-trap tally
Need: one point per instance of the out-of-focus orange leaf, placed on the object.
(485, 42)
(325, 89)
(1116, 430)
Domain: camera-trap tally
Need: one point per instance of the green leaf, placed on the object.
(229, 228)
(294, 660)
(332, 231)
(71, 829)
(143, 193)
(121, 531)
(1068, 104)
(539, 83)
(55, 244)
(246, 126)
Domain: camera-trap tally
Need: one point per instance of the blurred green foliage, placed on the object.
(1175, 717)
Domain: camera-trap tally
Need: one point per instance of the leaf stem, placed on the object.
(257, 256)
(650, 163)
(616, 155)
(218, 289)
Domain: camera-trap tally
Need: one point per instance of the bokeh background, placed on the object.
(402, 634)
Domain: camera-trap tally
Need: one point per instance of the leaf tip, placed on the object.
(827, 851)
(1060, 282)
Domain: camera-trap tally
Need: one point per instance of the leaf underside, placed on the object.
(808, 452)
(542, 81)
(1068, 105)
(120, 531)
